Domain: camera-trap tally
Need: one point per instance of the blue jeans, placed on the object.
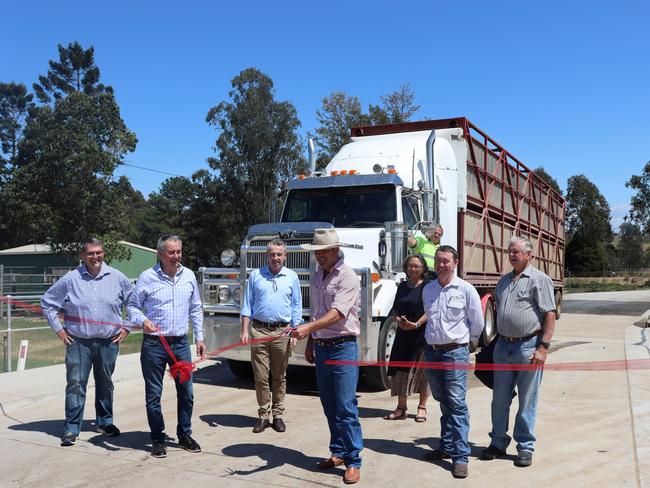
(449, 388)
(527, 384)
(80, 357)
(154, 360)
(337, 387)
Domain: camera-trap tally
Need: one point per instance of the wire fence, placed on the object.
(22, 321)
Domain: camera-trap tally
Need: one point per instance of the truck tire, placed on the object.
(375, 376)
(558, 304)
(490, 329)
(241, 369)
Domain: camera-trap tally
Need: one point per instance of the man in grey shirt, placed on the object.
(525, 322)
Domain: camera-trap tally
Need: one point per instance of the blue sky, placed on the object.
(560, 84)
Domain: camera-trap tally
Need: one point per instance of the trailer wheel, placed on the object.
(241, 369)
(375, 376)
(490, 329)
(558, 304)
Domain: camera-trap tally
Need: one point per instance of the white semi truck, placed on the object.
(389, 181)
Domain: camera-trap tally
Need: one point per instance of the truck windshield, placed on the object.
(358, 206)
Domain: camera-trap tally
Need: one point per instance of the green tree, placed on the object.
(543, 174)
(400, 105)
(340, 112)
(257, 148)
(640, 202)
(588, 227)
(630, 246)
(75, 71)
(14, 105)
(63, 188)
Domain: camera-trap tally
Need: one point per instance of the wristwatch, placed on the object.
(545, 344)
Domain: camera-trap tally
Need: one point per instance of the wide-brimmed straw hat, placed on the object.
(323, 239)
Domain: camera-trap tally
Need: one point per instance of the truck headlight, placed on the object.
(224, 294)
(235, 295)
(228, 257)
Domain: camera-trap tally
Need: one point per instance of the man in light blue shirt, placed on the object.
(91, 297)
(454, 325)
(272, 300)
(165, 298)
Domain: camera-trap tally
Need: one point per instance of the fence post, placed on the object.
(8, 348)
(2, 291)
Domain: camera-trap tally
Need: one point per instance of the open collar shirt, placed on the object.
(340, 289)
(522, 304)
(169, 302)
(92, 305)
(454, 312)
(273, 298)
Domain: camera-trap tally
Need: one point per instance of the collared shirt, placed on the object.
(428, 250)
(92, 306)
(168, 302)
(340, 289)
(521, 305)
(273, 298)
(454, 313)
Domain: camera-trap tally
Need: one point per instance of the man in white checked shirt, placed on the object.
(165, 298)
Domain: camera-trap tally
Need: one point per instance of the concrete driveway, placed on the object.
(593, 428)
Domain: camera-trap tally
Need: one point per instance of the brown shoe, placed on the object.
(460, 470)
(330, 462)
(352, 475)
(260, 425)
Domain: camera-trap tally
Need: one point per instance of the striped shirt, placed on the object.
(454, 312)
(273, 298)
(92, 306)
(340, 290)
(168, 302)
(521, 305)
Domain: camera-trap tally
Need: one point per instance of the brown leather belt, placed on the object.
(272, 325)
(520, 339)
(447, 347)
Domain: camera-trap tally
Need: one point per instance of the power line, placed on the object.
(152, 170)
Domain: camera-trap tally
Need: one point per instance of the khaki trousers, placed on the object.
(271, 356)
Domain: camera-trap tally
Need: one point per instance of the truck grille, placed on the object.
(298, 260)
(296, 257)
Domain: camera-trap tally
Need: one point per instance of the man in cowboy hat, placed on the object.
(332, 332)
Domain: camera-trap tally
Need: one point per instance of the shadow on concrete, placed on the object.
(50, 427)
(54, 428)
(136, 440)
(229, 420)
(419, 448)
(275, 457)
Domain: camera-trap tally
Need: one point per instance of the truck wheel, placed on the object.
(375, 376)
(490, 329)
(558, 304)
(241, 369)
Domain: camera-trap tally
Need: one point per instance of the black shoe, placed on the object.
(436, 455)
(158, 449)
(68, 440)
(524, 459)
(189, 444)
(108, 430)
(260, 425)
(279, 425)
(491, 453)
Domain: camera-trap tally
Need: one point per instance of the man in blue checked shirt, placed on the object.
(272, 300)
(165, 298)
(91, 297)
